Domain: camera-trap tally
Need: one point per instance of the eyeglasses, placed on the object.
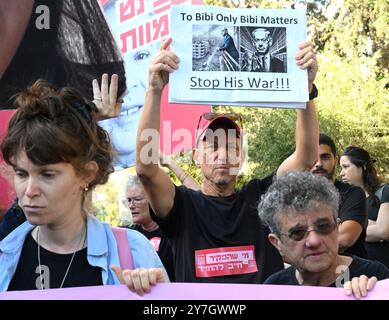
(300, 233)
(136, 201)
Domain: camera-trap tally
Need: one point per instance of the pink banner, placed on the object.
(196, 291)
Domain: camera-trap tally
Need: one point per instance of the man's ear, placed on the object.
(275, 241)
(270, 41)
(90, 171)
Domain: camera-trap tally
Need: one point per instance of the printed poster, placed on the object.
(238, 56)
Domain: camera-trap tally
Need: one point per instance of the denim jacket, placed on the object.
(101, 251)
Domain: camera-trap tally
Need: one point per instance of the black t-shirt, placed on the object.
(352, 206)
(377, 250)
(26, 277)
(220, 239)
(161, 245)
(357, 267)
(373, 203)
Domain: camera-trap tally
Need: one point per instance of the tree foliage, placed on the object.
(351, 40)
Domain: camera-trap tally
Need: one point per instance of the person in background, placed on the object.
(59, 153)
(358, 169)
(186, 179)
(137, 203)
(352, 211)
(301, 210)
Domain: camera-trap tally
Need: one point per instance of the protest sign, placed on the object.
(198, 291)
(238, 56)
(139, 28)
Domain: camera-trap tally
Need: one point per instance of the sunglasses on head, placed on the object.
(299, 233)
(209, 116)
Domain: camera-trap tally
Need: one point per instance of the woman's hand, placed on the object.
(359, 286)
(140, 280)
(106, 99)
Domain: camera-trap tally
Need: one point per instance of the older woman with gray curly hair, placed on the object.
(301, 211)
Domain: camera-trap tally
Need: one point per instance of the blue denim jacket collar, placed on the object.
(97, 254)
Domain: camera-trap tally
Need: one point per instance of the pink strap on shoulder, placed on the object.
(124, 249)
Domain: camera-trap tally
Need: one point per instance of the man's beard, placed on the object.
(328, 175)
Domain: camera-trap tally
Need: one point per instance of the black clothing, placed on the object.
(357, 268)
(161, 245)
(377, 250)
(13, 218)
(275, 65)
(220, 239)
(352, 206)
(77, 48)
(26, 277)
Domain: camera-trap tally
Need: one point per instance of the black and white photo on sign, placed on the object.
(251, 49)
(263, 49)
(214, 48)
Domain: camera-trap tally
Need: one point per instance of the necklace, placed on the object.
(70, 263)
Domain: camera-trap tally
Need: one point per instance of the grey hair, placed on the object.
(133, 181)
(296, 192)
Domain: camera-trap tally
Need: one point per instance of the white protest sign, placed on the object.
(238, 56)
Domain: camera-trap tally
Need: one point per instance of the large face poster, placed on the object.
(65, 42)
(139, 27)
(69, 43)
(6, 192)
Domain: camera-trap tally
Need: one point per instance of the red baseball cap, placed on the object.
(214, 121)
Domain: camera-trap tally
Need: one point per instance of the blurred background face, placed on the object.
(315, 252)
(350, 173)
(262, 41)
(138, 205)
(326, 164)
(48, 194)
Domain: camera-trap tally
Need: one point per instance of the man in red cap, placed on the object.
(215, 233)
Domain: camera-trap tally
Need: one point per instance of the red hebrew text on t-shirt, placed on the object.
(225, 261)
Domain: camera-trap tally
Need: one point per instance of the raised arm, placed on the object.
(156, 182)
(307, 125)
(186, 179)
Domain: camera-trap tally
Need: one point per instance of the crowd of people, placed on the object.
(325, 229)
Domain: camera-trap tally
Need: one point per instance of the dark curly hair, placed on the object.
(57, 125)
(361, 158)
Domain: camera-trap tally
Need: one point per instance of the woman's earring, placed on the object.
(86, 188)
